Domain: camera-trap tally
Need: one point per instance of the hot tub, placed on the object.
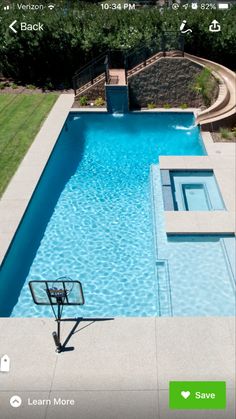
(191, 191)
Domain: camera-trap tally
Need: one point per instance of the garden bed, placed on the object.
(219, 138)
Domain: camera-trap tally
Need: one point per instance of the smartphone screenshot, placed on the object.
(117, 209)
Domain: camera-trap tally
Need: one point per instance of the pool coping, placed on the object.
(195, 111)
(19, 191)
(22, 185)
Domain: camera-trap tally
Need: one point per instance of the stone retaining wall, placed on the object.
(94, 92)
(167, 82)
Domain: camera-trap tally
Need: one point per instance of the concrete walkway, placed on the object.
(119, 368)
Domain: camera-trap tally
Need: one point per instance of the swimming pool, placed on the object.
(91, 215)
(199, 279)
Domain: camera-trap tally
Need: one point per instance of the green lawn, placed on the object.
(21, 116)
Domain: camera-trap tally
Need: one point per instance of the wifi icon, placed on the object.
(51, 6)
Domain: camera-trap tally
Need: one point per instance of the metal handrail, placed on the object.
(148, 50)
(139, 54)
(90, 72)
(91, 62)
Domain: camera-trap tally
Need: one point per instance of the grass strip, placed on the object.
(20, 122)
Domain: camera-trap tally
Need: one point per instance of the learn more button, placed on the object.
(187, 395)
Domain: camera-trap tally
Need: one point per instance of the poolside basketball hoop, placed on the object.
(59, 293)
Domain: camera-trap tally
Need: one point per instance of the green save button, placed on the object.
(197, 395)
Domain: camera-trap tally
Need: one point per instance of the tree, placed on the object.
(76, 32)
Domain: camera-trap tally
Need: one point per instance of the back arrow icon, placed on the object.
(11, 26)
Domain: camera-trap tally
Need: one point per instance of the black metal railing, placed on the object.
(89, 72)
(172, 41)
(126, 59)
(167, 41)
(142, 54)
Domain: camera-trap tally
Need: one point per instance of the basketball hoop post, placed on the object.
(59, 326)
(60, 293)
(57, 335)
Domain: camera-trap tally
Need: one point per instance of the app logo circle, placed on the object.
(15, 401)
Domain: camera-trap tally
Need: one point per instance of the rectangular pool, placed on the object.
(90, 217)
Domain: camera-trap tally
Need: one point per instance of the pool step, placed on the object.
(164, 291)
(162, 268)
(228, 245)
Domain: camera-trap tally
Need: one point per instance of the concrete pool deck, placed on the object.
(119, 368)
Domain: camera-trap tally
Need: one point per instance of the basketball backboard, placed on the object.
(63, 291)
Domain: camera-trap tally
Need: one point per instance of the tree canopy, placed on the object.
(77, 31)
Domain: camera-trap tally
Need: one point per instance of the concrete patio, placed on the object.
(119, 368)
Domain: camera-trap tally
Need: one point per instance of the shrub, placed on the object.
(82, 30)
(166, 106)
(99, 101)
(183, 106)
(31, 87)
(48, 86)
(234, 130)
(151, 105)
(83, 101)
(204, 84)
(14, 86)
(5, 84)
(226, 133)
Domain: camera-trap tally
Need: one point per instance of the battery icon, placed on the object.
(223, 6)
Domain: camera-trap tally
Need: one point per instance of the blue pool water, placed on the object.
(91, 215)
(196, 190)
(199, 275)
(207, 286)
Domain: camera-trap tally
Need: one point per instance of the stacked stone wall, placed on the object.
(169, 82)
(94, 92)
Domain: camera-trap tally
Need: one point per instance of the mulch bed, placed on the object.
(25, 90)
(217, 138)
(18, 89)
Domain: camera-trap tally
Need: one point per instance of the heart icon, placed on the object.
(185, 394)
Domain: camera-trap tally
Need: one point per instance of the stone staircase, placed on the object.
(87, 86)
(118, 74)
(222, 111)
(152, 60)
